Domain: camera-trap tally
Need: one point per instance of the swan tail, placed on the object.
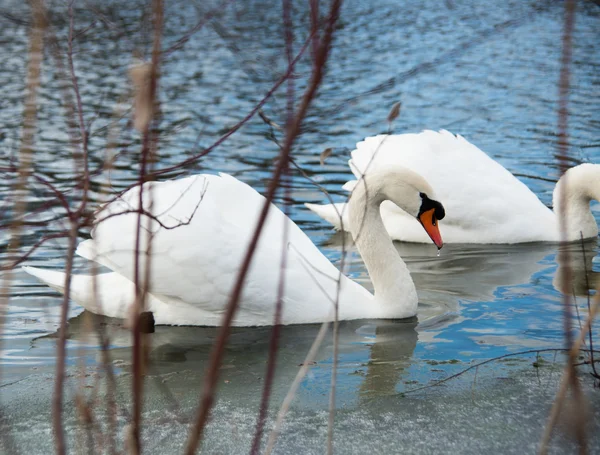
(333, 213)
(115, 293)
(52, 278)
(86, 250)
(349, 185)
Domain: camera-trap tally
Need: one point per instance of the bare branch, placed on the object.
(273, 344)
(238, 125)
(24, 256)
(292, 133)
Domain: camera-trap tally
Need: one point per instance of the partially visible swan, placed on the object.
(484, 201)
(195, 265)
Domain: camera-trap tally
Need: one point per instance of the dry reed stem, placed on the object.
(146, 99)
(287, 401)
(79, 141)
(568, 375)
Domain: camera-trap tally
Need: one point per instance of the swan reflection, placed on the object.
(373, 357)
(476, 271)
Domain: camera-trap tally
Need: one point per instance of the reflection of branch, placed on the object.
(186, 37)
(568, 375)
(29, 252)
(569, 379)
(495, 359)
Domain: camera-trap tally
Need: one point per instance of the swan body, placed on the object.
(200, 236)
(484, 201)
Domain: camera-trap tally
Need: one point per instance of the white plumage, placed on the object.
(204, 226)
(484, 202)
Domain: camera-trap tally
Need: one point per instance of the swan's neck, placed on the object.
(395, 293)
(579, 185)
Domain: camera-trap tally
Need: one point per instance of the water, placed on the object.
(486, 71)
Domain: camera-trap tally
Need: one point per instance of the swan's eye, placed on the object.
(440, 213)
(428, 204)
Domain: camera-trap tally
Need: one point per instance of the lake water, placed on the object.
(488, 71)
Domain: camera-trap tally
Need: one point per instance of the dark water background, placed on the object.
(486, 70)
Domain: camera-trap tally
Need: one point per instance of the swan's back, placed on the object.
(484, 202)
(205, 223)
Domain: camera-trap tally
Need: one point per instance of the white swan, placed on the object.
(484, 201)
(195, 265)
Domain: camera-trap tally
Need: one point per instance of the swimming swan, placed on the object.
(484, 201)
(207, 221)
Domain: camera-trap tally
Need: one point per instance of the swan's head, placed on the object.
(411, 192)
(429, 213)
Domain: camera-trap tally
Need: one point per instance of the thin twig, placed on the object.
(238, 125)
(484, 362)
(142, 283)
(23, 257)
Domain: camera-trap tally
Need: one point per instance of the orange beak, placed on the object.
(429, 222)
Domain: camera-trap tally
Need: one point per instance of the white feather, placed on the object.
(484, 202)
(200, 236)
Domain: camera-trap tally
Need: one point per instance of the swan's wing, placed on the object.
(484, 202)
(205, 223)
